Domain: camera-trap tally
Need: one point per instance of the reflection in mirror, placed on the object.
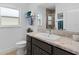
(39, 19)
(50, 18)
(60, 21)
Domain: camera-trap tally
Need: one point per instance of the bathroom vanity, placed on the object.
(38, 45)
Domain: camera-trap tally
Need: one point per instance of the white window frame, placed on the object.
(19, 19)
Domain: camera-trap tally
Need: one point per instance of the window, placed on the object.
(9, 17)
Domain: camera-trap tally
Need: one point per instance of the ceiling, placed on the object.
(45, 5)
(48, 5)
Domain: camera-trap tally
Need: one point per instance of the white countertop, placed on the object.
(64, 43)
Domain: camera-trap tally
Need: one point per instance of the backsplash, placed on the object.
(64, 33)
(61, 32)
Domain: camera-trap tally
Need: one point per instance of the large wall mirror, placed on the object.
(72, 20)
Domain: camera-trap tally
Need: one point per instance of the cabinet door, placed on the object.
(43, 52)
(58, 51)
(44, 46)
(35, 50)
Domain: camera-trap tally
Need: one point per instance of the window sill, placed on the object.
(10, 26)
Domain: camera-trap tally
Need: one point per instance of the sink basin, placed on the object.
(48, 36)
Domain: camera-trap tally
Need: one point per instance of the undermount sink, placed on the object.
(48, 36)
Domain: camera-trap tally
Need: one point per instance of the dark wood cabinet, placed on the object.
(42, 45)
(38, 47)
(58, 51)
(29, 45)
(37, 51)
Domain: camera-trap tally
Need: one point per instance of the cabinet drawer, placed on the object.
(28, 38)
(42, 45)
